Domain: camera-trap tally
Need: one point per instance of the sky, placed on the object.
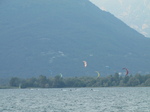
(135, 13)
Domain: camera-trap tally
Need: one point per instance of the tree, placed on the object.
(147, 82)
(79, 83)
(116, 79)
(42, 81)
(139, 77)
(133, 81)
(125, 80)
(15, 82)
(32, 82)
(121, 83)
(58, 82)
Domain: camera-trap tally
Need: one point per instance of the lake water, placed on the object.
(120, 99)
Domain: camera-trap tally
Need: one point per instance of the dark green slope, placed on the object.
(52, 36)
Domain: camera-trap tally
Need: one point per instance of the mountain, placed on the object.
(135, 13)
(51, 37)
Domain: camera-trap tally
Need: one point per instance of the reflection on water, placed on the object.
(76, 100)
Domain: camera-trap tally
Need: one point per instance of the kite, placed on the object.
(126, 70)
(85, 63)
(98, 74)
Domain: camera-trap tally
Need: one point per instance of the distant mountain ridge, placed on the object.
(51, 37)
(135, 13)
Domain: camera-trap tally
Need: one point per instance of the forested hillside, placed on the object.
(55, 36)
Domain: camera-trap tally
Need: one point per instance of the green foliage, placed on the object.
(14, 81)
(60, 82)
(70, 31)
(147, 82)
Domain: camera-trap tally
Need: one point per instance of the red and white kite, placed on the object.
(85, 63)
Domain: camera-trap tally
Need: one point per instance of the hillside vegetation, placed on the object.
(55, 36)
(60, 82)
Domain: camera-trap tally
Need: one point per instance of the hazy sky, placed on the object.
(135, 13)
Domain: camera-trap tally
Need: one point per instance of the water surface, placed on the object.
(121, 99)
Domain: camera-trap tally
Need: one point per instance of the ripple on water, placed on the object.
(75, 100)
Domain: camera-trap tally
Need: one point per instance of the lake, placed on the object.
(116, 99)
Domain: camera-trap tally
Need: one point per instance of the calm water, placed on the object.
(76, 100)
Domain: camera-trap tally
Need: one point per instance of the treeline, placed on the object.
(60, 82)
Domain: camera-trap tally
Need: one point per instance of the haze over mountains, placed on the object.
(135, 13)
(49, 37)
